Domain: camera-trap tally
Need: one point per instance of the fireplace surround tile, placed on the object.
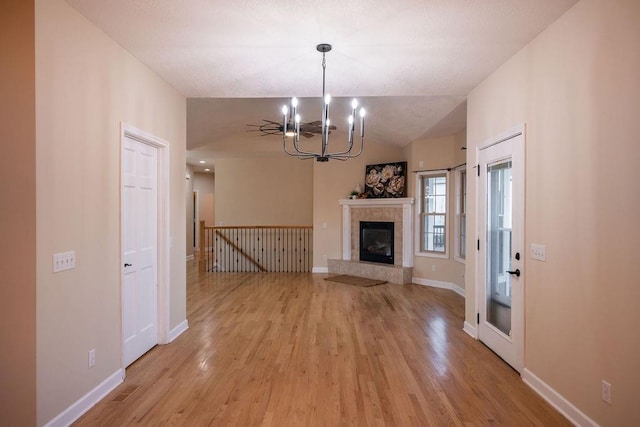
(399, 211)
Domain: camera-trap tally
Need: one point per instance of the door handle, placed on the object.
(516, 272)
(127, 265)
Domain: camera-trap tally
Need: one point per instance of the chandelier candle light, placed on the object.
(291, 124)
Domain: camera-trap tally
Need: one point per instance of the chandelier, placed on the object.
(291, 125)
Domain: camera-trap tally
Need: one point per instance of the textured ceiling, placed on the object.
(431, 51)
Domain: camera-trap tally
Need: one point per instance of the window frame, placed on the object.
(461, 177)
(419, 235)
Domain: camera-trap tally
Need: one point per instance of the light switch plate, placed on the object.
(538, 252)
(64, 261)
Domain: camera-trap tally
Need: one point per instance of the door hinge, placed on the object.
(478, 244)
(478, 169)
(478, 318)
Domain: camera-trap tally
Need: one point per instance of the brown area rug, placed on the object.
(356, 281)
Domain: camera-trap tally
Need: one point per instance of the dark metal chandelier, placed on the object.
(291, 125)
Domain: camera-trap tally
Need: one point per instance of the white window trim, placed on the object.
(456, 225)
(419, 205)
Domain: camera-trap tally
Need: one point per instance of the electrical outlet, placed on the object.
(538, 252)
(92, 357)
(64, 261)
(433, 267)
(606, 392)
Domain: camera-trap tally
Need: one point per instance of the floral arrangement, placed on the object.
(356, 193)
(386, 180)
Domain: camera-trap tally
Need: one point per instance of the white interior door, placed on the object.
(139, 224)
(501, 256)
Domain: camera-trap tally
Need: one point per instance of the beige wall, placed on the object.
(333, 181)
(189, 206)
(17, 215)
(204, 184)
(439, 153)
(576, 89)
(86, 85)
(263, 191)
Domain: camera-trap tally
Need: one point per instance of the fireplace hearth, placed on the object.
(377, 241)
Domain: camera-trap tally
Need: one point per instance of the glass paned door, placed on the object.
(500, 279)
(499, 225)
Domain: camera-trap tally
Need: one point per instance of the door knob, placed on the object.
(516, 272)
(127, 265)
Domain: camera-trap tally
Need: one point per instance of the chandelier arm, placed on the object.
(340, 153)
(348, 151)
(296, 145)
(284, 146)
(298, 152)
(301, 156)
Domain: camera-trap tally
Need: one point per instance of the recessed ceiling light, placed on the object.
(207, 170)
(202, 162)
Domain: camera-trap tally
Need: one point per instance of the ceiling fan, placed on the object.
(269, 127)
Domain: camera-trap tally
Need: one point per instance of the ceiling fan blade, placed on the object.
(310, 129)
(270, 127)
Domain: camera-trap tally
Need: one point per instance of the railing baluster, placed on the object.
(256, 249)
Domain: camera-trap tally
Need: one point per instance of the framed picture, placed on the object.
(387, 180)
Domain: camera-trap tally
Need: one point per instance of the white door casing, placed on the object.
(503, 273)
(145, 242)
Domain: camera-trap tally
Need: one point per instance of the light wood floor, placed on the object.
(295, 350)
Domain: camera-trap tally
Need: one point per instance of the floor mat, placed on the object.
(356, 281)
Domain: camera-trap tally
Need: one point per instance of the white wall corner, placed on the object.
(178, 330)
(320, 270)
(346, 233)
(438, 284)
(555, 399)
(87, 401)
(471, 330)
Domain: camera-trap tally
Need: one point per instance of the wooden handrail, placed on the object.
(261, 227)
(240, 251)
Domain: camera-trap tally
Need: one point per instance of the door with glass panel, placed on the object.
(501, 244)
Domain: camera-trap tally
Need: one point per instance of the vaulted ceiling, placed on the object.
(410, 62)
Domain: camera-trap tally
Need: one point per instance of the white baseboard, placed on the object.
(470, 330)
(190, 257)
(437, 284)
(178, 330)
(320, 270)
(555, 399)
(86, 402)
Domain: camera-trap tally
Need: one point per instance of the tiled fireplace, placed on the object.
(397, 211)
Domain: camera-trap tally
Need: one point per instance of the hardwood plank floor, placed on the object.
(271, 349)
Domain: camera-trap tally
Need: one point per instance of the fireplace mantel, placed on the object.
(407, 223)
